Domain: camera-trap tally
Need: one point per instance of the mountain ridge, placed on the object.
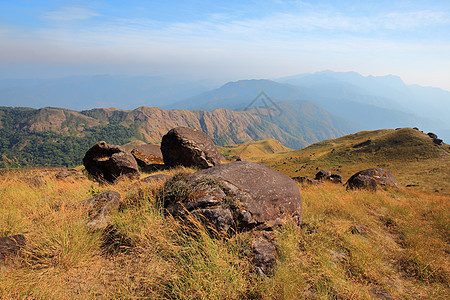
(35, 136)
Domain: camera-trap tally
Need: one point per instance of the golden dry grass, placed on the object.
(403, 251)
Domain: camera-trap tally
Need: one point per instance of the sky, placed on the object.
(226, 40)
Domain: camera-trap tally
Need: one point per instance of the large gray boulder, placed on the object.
(147, 155)
(242, 195)
(109, 163)
(183, 146)
(371, 179)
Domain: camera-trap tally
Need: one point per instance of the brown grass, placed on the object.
(403, 251)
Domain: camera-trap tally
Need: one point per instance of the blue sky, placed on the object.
(226, 40)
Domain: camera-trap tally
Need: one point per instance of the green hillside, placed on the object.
(60, 137)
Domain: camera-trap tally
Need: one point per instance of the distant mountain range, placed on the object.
(60, 137)
(86, 92)
(300, 109)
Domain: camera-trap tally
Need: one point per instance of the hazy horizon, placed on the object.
(226, 42)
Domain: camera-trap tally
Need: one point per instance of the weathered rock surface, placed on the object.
(10, 245)
(335, 178)
(155, 178)
(438, 142)
(190, 148)
(264, 253)
(147, 154)
(100, 208)
(371, 179)
(323, 174)
(242, 195)
(109, 163)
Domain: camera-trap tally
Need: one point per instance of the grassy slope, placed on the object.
(404, 251)
(254, 149)
(408, 154)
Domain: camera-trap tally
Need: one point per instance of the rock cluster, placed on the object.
(435, 138)
(181, 146)
(226, 198)
(327, 175)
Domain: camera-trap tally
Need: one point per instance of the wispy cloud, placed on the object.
(70, 14)
(282, 40)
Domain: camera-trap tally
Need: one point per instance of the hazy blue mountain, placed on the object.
(238, 95)
(85, 92)
(352, 103)
(305, 119)
(381, 91)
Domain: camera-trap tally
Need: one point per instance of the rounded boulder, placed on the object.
(110, 162)
(371, 179)
(183, 146)
(241, 195)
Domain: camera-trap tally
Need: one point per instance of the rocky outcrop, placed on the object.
(183, 146)
(237, 197)
(147, 154)
(109, 163)
(242, 195)
(435, 138)
(100, 208)
(371, 179)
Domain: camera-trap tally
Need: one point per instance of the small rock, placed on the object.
(100, 208)
(338, 256)
(323, 174)
(10, 245)
(35, 181)
(360, 229)
(432, 135)
(437, 142)
(380, 294)
(62, 175)
(306, 180)
(264, 252)
(335, 178)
